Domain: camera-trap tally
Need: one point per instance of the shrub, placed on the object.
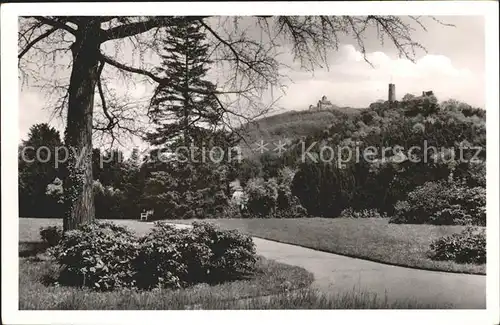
(294, 211)
(248, 169)
(232, 211)
(105, 256)
(469, 246)
(476, 174)
(55, 190)
(285, 198)
(365, 213)
(97, 255)
(232, 256)
(272, 198)
(51, 235)
(262, 196)
(443, 203)
(170, 258)
(175, 258)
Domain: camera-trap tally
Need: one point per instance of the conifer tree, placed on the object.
(185, 102)
(186, 113)
(252, 63)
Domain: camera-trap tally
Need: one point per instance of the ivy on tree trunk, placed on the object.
(253, 64)
(79, 199)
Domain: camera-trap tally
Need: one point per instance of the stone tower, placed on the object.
(392, 93)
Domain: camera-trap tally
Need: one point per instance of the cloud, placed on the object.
(33, 110)
(351, 81)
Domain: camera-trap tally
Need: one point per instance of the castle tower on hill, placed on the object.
(392, 93)
(323, 104)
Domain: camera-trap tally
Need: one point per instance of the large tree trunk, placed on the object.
(79, 199)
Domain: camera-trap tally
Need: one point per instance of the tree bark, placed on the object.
(79, 198)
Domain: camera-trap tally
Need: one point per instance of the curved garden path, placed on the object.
(337, 274)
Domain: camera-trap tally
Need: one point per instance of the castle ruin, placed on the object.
(323, 104)
(392, 93)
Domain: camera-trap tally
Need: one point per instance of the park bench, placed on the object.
(146, 214)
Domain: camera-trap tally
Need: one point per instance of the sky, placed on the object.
(453, 67)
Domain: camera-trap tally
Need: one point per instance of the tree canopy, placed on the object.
(92, 50)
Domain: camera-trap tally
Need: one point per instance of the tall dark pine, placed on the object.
(47, 34)
(185, 102)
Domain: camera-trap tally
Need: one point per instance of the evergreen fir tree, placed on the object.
(185, 103)
(187, 114)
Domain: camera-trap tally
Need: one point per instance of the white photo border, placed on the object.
(10, 135)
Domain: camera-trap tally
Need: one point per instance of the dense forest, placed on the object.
(296, 183)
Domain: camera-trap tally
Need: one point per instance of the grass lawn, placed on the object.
(36, 292)
(265, 291)
(372, 239)
(275, 286)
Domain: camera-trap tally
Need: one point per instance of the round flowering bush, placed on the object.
(469, 246)
(170, 258)
(443, 203)
(105, 256)
(99, 255)
(232, 256)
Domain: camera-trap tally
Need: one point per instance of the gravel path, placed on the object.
(337, 274)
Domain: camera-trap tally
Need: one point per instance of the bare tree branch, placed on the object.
(156, 78)
(249, 66)
(54, 22)
(133, 28)
(36, 40)
(130, 69)
(252, 65)
(103, 100)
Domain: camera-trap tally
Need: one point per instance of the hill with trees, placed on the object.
(291, 125)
